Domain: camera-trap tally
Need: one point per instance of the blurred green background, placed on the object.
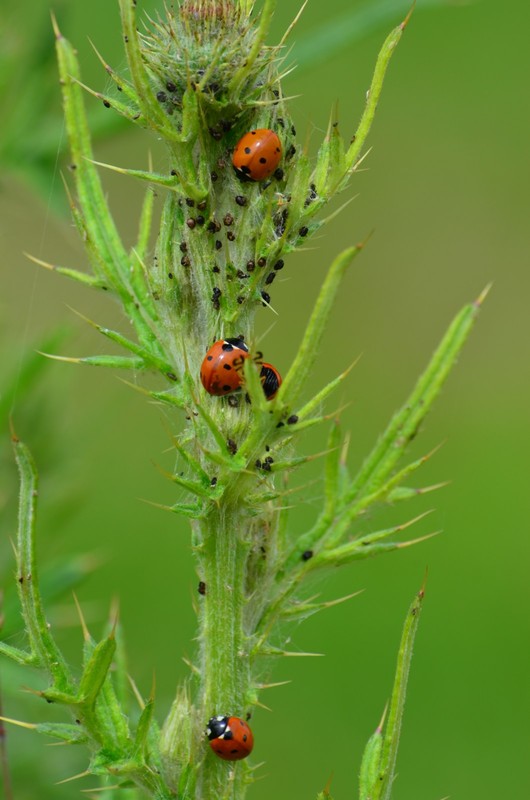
(446, 191)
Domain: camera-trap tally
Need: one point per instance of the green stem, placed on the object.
(225, 667)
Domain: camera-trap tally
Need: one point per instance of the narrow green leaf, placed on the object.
(70, 734)
(74, 274)
(383, 786)
(140, 250)
(96, 215)
(405, 423)
(148, 103)
(115, 362)
(370, 763)
(374, 94)
(20, 656)
(42, 643)
(96, 671)
(297, 375)
(242, 73)
(141, 739)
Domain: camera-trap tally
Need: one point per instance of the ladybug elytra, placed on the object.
(230, 737)
(221, 369)
(270, 380)
(257, 154)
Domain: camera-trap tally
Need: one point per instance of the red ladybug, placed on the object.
(257, 154)
(222, 368)
(270, 380)
(230, 738)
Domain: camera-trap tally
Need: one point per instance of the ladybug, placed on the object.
(270, 380)
(230, 737)
(257, 154)
(221, 369)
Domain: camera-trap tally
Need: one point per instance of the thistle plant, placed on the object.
(200, 77)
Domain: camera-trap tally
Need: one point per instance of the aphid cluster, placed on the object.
(222, 369)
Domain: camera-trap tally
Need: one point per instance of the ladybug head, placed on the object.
(216, 727)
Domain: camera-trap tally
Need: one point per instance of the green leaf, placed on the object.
(96, 671)
(42, 643)
(369, 772)
(383, 786)
(374, 94)
(141, 739)
(302, 365)
(70, 734)
(405, 423)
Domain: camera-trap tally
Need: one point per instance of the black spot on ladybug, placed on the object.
(263, 160)
(307, 555)
(227, 366)
(245, 737)
(248, 150)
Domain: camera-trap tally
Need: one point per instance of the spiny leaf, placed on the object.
(308, 351)
(42, 643)
(405, 423)
(383, 787)
(374, 94)
(114, 362)
(96, 671)
(370, 763)
(20, 656)
(150, 107)
(80, 277)
(70, 734)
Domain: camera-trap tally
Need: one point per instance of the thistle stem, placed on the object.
(225, 666)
